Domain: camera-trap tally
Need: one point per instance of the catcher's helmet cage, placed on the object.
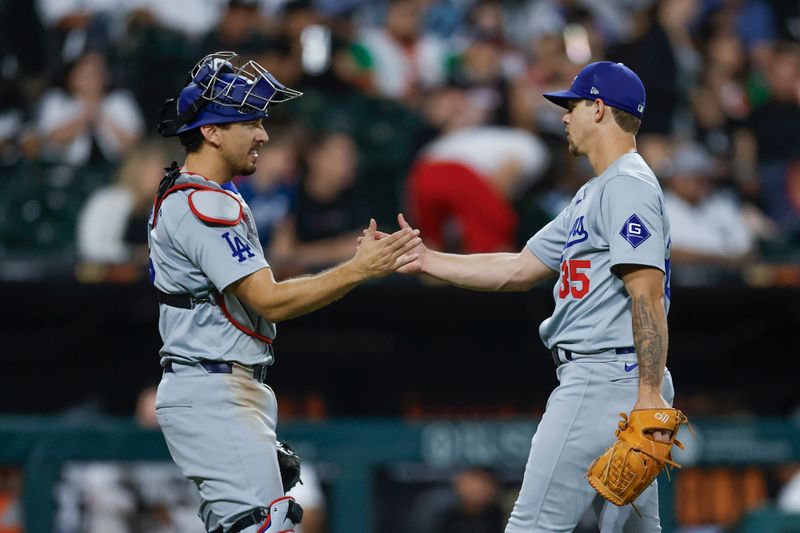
(222, 88)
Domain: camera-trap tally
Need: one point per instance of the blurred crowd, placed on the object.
(431, 108)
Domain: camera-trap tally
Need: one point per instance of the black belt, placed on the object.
(568, 354)
(183, 301)
(215, 367)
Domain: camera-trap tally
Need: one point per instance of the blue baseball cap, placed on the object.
(613, 83)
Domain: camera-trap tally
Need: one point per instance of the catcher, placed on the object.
(219, 301)
(608, 332)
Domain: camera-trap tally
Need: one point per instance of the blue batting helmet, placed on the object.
(220, 89)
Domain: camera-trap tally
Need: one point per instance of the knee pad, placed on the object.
(280, 517)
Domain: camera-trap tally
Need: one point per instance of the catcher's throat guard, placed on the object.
(222, 88)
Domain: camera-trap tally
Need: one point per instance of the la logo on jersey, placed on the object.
(577, 234)
(238, 247)
(634, 231)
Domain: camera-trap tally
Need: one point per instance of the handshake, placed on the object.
(380, 254)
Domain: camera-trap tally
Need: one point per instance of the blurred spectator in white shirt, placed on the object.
(112, 223)
(708, 224)
(84, 121)
(400, 58)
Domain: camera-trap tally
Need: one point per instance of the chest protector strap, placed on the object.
(244, 329)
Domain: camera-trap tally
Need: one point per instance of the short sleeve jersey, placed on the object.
(615, 218)
(189, 256)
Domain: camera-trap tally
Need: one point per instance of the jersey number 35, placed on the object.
(573, 280)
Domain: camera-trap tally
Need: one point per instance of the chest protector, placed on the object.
(214, 207)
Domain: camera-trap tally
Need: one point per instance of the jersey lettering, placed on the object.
(577, 234)
(573, 280)
(238, 247)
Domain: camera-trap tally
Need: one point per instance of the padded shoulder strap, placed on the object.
(215, 207)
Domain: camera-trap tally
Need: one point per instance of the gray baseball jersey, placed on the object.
(616, 218)
(190, 256)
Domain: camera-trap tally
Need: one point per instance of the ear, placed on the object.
(599, 110)
(211, 135)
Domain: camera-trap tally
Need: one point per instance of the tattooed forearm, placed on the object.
(650, 340)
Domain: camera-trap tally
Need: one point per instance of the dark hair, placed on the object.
(628, 122)
(192, 140)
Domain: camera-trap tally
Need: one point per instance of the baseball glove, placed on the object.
(289, 463)
(631, 464)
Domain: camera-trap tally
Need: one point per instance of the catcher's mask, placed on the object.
(222, 88)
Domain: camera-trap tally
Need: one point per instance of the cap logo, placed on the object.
(594, 91)
(640, 108)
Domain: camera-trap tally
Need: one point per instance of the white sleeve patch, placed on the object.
(216, 207)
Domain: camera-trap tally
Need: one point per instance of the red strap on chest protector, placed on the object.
(244, 329)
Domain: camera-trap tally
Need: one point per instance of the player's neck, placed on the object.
(208, 165)
(608, 149)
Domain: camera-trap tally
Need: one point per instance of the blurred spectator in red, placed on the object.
(477, 508)
(399, 59)
(327, 214)
(271, 190)
(112, 226)
(708, 225)
(83, 120)
(776, 127)
(462, 188)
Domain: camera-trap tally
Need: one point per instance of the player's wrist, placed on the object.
(430, 262)
(352, 271)
(649, 397)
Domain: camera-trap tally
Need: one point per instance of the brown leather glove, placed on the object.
(631, 464)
